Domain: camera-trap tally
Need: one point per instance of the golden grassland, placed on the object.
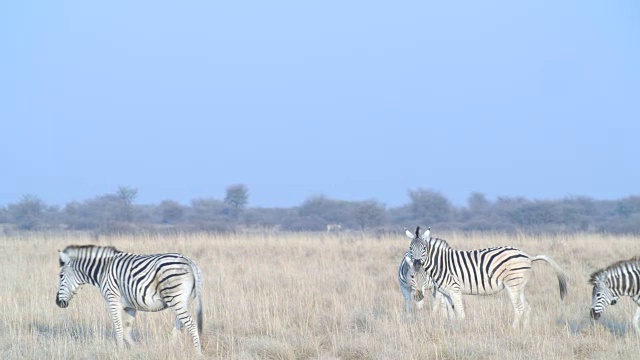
(315, 296)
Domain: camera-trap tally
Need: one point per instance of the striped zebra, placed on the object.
(479, 272)
(414, 283)
(405, 280)
(131, 282)
(619, 279)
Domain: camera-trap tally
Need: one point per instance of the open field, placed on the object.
(295, 296)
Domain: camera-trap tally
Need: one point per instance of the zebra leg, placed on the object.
(128, 314)
(517, 300)
(436, 304)
(177, 329)
(179, 326)
(527, 309)
(636, 321)
(406, 292)
(448, 311)
(456, 300)
(115, 309)
(440, 302)
(179, 305)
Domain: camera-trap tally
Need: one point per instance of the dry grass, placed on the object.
(293, 296)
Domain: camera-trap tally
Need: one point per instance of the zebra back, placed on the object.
(623, 277)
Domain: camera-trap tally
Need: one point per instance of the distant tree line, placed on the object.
(119, 213)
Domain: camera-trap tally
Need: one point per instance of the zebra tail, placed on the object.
(199, 284)
(562, 276)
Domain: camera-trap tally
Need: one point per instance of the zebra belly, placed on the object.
(149, 303)
(153, 305)
(144, 302)
(479, 289)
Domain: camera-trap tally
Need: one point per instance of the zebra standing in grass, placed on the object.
(405, 285)
(131, 282)
(619, 279)
(414, 283)
(479, 272)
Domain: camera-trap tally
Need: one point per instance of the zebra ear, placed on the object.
(427, 234)
(64, 258)
(408, 233)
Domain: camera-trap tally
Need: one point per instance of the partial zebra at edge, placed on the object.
(609, 284)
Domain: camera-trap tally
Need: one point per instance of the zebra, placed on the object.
(404, 280)
(415, 282)
(132, 282)
(479, 272)
(618, 279)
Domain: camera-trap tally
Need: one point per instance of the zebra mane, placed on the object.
(439, 243)
(620, 265)
(75, 251)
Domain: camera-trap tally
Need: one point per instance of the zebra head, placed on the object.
(418, 246)
(602, 295)
(417, 279)
(70, 280)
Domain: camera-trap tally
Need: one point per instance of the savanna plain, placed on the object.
(315, 296)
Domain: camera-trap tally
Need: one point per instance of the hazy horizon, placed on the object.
(354, 101)
(406, 201)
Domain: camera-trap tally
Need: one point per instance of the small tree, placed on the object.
(320, 211)
(28, 212)
(127, 195)
(478, 203)
(209, 214)
(627, 206)
(100, 213)
(170, 212)
(236, 199)
(430, 206)
(4, 216)
(369, 214)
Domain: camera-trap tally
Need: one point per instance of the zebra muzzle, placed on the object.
(61, 303)
(595, 315)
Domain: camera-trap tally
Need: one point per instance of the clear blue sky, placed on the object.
(355, 100)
